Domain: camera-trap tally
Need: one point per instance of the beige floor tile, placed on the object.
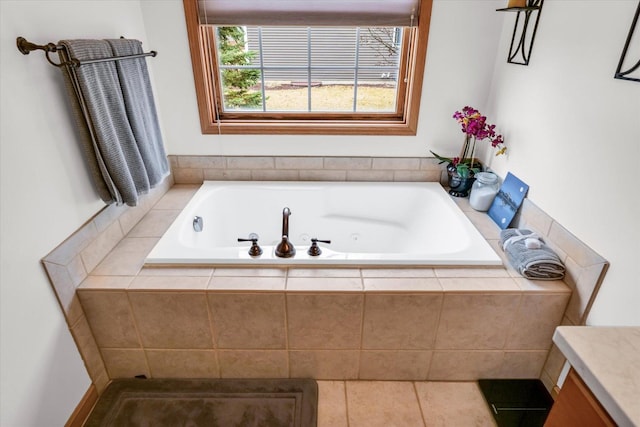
(332, 406)
(446, 404)
(383, 404)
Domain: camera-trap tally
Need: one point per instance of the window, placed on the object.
(267, 76)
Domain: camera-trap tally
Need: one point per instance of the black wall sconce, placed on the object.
(625, 74)
(523, 36)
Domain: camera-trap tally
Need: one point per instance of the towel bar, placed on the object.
(26, 47)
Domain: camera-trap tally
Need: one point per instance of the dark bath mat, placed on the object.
(207, 402)
(517, 403)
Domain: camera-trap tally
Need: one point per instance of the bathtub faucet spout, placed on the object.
(285, 248)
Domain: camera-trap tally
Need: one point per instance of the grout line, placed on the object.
(360, 349)
(212, 330)
(415, 390)
(513, 321)
(435, 335)
(137, 329)
(286, 320)
(286, 331)
(346, 402)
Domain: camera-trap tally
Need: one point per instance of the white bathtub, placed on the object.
(403, 224)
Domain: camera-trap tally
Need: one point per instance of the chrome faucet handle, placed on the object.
(197, 224)
(254, 250)
(314, 249)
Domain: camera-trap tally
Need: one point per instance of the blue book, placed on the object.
(508, 201)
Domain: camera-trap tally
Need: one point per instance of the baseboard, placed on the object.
(82, 411)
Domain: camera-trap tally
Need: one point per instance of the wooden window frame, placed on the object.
(404, 123)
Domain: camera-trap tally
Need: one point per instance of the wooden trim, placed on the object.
(200, 78)
(404, 122)
(419, 60)
(82, 411)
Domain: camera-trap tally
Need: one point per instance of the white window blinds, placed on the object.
(400, 13)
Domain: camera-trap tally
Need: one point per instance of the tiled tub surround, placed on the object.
(196, 169)
(435, 324)
(130, 319)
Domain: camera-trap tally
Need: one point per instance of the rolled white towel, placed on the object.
(532, 243)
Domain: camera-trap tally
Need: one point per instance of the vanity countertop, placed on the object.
(608, 361)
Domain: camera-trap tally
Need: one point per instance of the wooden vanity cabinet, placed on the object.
(576, 406)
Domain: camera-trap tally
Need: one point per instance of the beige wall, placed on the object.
(572, 131)
(46, 196)
(460, 59)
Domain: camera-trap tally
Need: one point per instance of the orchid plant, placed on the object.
(475, 127)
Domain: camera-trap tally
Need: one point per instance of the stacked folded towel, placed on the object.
(528, 254)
